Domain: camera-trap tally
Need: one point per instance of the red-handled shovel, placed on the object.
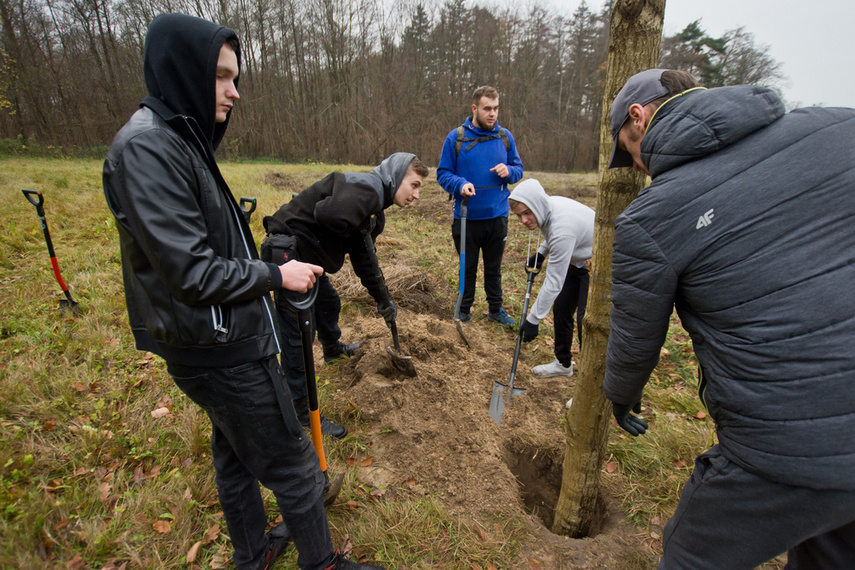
(36, 198)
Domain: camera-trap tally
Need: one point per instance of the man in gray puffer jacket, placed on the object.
(747, 228)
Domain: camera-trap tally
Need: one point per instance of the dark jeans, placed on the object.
(730, 518)
(572, 299)
(256, 437)
(487, 237)
(325, 313)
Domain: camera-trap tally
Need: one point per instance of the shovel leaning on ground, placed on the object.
(464, 204)
(403, 363)
(497, 401)
(304, 318)
(68, 304)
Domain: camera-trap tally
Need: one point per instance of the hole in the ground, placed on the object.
(538, 471)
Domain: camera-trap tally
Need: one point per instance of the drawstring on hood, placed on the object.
(386, 177)
(181, 55)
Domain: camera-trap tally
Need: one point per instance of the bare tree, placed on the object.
(636, 31)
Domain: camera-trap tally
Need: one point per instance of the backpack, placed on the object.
(461, 130)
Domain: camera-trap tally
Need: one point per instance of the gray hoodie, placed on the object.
(568, 232)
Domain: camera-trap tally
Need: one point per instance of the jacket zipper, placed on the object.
(217, 319)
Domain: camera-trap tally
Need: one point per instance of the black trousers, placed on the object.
(572, 299)
(487, 237)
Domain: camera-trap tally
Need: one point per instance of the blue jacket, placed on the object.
(473, 165)
(747, 229)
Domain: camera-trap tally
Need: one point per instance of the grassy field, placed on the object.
(92, 477)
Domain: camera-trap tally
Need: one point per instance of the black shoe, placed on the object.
(277, 541)
(464, 317)
(344, 563)
(328, 427)
(339, 349)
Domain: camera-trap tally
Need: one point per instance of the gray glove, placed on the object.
(634, 425)
(388, 310)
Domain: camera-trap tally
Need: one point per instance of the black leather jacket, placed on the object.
(197, 294)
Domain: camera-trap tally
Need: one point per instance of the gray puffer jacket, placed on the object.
(749, 229)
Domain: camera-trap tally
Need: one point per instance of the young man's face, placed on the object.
(486, 113)
(408, 191)
(525, 215)
(227, 72)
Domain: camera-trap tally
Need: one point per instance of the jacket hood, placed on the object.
(697, 123)
(532, 194)
(181, 54)
(386, 177)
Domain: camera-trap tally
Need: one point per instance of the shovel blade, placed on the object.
(497, 402)
(332, 488)
(460, 330)
(404, 364)
(66, 306)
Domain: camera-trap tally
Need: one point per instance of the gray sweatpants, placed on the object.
(730, 519)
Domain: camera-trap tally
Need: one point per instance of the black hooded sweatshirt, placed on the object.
(196, 292)
(328, 217)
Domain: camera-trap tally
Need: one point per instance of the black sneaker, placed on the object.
(277, 541)
(464, 317)
(328, 427)
(345, 563)
(339, 349)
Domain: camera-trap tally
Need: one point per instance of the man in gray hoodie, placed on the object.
(747, 228)
(568, 232)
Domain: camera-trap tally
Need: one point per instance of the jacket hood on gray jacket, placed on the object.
(532, 194)
(181, 55)
(698, 123)
(386, 177)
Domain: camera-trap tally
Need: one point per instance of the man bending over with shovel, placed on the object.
(326, 221)
(568, 232)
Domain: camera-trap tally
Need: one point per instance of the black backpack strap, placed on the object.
(502, 134)
(460, 132)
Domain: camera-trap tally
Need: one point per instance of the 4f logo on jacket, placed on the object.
(705, 220)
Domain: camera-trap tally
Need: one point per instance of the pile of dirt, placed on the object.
(433, 433)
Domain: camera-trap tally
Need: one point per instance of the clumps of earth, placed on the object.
(433, 433)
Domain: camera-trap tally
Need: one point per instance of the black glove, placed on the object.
(632, 424)
(388, 310)
(535, 261)
(528, 331)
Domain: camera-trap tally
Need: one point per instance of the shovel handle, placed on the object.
(247, 210)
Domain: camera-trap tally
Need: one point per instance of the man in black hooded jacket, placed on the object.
(198, 295)
(327, 220)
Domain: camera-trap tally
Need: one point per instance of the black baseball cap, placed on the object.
(641, 88)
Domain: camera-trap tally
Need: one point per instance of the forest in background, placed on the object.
(343, 81)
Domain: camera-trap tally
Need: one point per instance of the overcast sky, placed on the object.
(811, 40)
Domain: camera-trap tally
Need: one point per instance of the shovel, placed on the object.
(247, 207)
(497, 401)
(404, 364)
(463, 207)
(68, 304)
(304, 318)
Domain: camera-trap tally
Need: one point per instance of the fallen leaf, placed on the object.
(701, 415)
(191, 554)
(76, 562)
(212, 533)
(479, 532)
(368, 461)
(679, 463)
(377, 493)
(534, 564)
(411, 482)
(611, 467)
(104, 490)
(350, 461)
(159, 412)
(80, 387)
(60, 525)
(49, 425)
(162, 527)
(352, 505)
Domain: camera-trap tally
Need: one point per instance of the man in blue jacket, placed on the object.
(479, 159)
(199, 296)
(747, 228)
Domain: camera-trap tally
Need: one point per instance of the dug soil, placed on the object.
(432, 434)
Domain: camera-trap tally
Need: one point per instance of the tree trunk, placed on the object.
(636, 30)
